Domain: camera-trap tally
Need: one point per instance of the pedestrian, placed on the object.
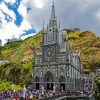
(21, 98)
(31, 97)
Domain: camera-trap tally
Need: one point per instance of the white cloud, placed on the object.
(27, 2)
(2, 15)
(10, 1)
(22, 9)
(39, 3)
(9, 30)
(97, 15)
(24, 37)
(25, 25)
(4, 8)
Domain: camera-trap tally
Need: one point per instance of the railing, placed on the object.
(72, 97)
(55, 97)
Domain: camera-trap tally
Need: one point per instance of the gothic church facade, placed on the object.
(55, 63)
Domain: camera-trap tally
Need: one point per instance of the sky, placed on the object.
(24, 18)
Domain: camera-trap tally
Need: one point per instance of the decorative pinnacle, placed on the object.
(43, 24)
(59, 23)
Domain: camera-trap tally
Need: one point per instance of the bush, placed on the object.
(97, 88)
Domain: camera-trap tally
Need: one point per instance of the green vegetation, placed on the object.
(4, 85)
(20, 54)
(10, 48)
(97, 88)
(19, 73)
(89, 46)
(73, 35)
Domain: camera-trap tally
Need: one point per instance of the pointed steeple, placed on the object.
(59, 24)
(43, 26)
(53, 11)
(53, 19)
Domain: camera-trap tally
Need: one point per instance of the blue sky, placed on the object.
(13, 20)
(25, 17)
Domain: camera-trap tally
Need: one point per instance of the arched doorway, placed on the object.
(62, 82)
(48, 80)
(37, 82)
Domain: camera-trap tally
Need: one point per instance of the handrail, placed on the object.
(63, 97)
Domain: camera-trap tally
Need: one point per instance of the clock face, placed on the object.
(49, 54)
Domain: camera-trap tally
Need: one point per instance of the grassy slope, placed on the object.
(20, 53)
(18, 50)
(89, 46)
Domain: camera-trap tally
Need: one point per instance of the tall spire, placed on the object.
(53, 19)
(53, 11)
(53, 3)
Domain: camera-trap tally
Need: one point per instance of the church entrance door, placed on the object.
(49, 86)
(37, 83)
(62, 83)
(37, 86)
(62, 86)
(49, 79)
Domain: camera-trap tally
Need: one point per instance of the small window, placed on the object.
(49, 29)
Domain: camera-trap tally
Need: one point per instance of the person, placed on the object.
(31, 97)
(21, 98)
(1, 96)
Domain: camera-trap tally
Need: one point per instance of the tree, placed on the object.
(0, 52)
(97, 88)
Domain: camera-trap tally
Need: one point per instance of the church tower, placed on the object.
(50, 38)
(50, 34)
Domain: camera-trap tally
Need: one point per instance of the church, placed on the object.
(55, 63)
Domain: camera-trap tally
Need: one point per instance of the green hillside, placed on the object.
(19, 50)
(20, 55)
(89, 46)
